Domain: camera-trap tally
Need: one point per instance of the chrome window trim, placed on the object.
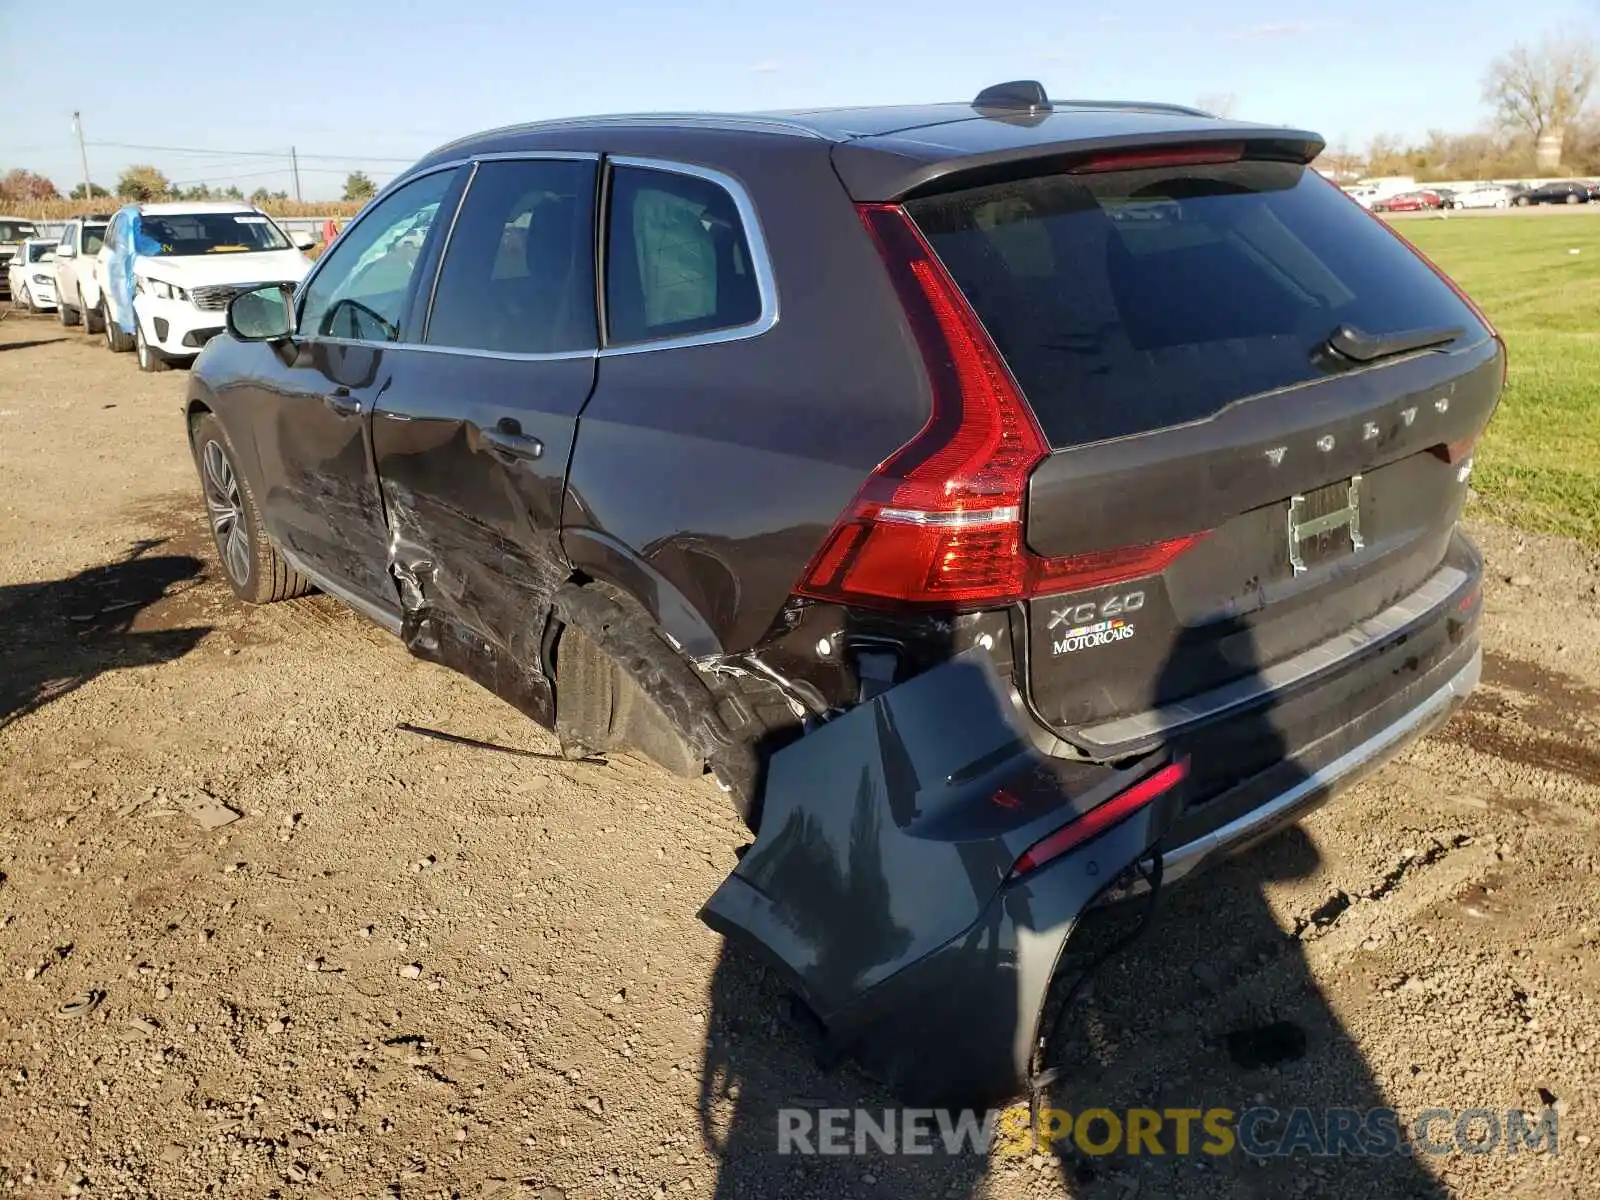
(755, 240)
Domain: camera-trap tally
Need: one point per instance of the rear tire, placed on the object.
(1573, 198)
(252, 565)
(150, 359)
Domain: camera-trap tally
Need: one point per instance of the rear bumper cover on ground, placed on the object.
(881, 886)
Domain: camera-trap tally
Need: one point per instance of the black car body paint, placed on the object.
(667, 499)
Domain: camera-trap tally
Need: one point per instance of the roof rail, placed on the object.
(1019, 95)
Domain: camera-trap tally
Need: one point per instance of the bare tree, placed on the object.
(1542, 88)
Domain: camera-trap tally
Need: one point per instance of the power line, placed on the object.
(253, 153)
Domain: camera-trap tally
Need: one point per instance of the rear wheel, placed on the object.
(150, 359)
(255, 570)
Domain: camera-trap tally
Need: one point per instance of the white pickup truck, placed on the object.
(77, 292)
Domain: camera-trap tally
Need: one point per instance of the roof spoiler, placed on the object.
(876, 169)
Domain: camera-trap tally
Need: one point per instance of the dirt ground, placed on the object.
(417, 968)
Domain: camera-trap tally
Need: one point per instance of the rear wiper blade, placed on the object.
(1363, 347)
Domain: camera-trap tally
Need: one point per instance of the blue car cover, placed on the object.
(127, 241)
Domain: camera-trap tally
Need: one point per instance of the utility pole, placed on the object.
(83, 156)
(294, 166)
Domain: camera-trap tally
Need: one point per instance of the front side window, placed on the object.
(182, 235)
(678, 261)
(360, 292)
(16, 231)
(518, 274)
(94, 237)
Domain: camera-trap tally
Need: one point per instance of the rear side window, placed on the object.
(677, 260)
(1135, 300)
(518, 274)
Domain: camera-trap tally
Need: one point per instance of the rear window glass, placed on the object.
(1135, 300)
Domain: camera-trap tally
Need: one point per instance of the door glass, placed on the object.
(360, 294)
(518, 273)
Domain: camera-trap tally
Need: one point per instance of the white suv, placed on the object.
(167, 272)
(76, 292)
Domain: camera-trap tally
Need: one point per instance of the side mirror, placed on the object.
(303, 241)
(65, 250)
(265, 314)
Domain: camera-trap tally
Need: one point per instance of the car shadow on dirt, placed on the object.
(61, 633)
(1214, 1008)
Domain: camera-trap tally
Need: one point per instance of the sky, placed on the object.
(375, 84)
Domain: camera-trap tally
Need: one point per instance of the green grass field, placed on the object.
(1538, 466)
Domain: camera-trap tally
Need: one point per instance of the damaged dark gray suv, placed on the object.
(1012, 504)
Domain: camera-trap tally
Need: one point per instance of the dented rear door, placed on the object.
(474, 434)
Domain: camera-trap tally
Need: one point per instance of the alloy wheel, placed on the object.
(226, 507)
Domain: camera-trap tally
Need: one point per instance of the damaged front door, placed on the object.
(311, 400)
(473, 437)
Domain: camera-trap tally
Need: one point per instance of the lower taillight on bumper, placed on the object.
(1101, 818)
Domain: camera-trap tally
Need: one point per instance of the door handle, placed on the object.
(507, 440)
(342, 402)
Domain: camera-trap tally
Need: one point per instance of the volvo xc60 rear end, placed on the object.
(1015, 504)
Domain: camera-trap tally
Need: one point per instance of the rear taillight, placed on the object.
(1101, 818)
(940, 522)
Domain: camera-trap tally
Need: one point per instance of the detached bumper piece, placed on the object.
(920, 869)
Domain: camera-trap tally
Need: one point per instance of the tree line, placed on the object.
(21, 188)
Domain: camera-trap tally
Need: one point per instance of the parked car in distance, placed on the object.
(13, 232)
(77, 292)
(166, 273)
(30, 279)
(1487, 195)
(1565, 191)
(899, 466)
(1419, 201)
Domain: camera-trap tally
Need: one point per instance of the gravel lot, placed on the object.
(415, 968)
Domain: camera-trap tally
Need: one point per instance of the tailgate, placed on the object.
(1261, 404)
